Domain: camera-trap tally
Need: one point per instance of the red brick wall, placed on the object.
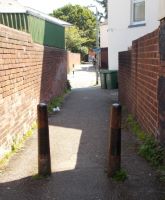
(72, 59)
(104, 58)
(138, 81)
(29, 73)
(124, 77)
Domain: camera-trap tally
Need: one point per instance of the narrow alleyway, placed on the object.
(79, 140)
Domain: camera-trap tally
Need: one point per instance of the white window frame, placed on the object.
(132, 14)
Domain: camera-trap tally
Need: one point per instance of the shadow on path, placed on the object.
(82, 127)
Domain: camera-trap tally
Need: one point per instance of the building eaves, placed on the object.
(46, 17)
(12, 6)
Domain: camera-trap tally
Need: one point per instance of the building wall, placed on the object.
(161, 9)
(104, 35)
(120, 36)
(141, 88)
(73, 59)
(30, 73)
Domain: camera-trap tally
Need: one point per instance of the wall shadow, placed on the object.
(54, 63)
(88, 180)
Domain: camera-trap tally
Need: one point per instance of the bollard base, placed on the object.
(44, 168)
(114, 165)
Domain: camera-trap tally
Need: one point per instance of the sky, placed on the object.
(48, 6)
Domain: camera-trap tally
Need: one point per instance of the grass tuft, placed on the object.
(57, 101)
(17, 145)
(150, 149)
(120, 175)
(39, 177)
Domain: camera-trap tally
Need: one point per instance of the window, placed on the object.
(138, 11)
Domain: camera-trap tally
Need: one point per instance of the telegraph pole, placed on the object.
(97, 46)
(97, 43)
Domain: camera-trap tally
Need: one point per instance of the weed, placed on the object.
(6, 158)
(135, 128)
(57, 101)
(150, 149)
(161, 174)
(17, 144)
(120, 175)
(39, 177)
(68, 85)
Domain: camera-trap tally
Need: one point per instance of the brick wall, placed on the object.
(139, 73)
(104, 58)
(124, 78)
(73, 59)
(29, 73)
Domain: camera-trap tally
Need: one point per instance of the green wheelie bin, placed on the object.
(103, 79)
(111, 79)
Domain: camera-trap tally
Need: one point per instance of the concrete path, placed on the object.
(79, 140)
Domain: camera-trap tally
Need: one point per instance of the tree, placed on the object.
(83, 34)
(104, 4)
(74, 41)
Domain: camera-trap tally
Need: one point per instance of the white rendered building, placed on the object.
(127, 21)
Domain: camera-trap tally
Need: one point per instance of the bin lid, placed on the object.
(106, 71)
(113, 71)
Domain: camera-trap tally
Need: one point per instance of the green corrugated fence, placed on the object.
(18, 21)
(42, 31)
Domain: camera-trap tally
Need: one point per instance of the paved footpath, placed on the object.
(79, 140)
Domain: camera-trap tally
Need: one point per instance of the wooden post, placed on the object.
(44, 162)
(114, 156)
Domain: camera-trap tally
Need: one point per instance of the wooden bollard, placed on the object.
(44, 161)
(114, 151)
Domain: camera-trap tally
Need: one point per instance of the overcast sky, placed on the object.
(48, 6)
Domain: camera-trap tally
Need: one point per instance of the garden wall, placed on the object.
(29, 74)
(73, 59)
(140, 70)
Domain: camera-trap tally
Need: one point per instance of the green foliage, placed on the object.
(82, 35)
(150, 149)
(6, 158)
(120, 175)
(161, 174)
(17, 144)
(74, 40)
(104, 4)
(77, 15)
(39, 177)
(135, 128)
(55, 102)
(68, 86)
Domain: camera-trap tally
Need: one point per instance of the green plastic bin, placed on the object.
(103, 79)
(111, 79)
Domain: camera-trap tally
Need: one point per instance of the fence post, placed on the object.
(114, 151)
(44, 161)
